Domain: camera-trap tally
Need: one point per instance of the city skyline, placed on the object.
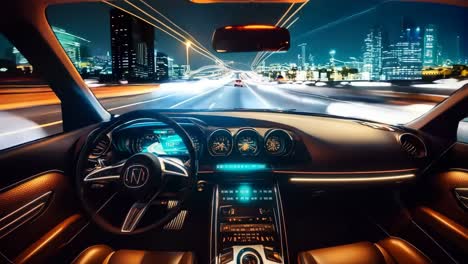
(312, 27)
(133, 48)
(376, 48)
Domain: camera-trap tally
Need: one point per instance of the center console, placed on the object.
(247, 225)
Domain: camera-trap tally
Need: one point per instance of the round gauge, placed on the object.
(220, 143)
(247, 142)
(278, 142)
(141, 143)
(274, 144)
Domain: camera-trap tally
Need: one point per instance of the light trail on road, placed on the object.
(139, 103)
(39, 121)
(192, 98)
(26, 129)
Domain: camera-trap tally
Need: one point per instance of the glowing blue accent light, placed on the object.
(244, 193)
(160, 131)
(241, 167)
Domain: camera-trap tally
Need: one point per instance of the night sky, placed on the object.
(340, 24)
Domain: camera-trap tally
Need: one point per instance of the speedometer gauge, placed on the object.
(143, 142)
(247, 142)
(220, 143)
(274, 144)
(278, 142)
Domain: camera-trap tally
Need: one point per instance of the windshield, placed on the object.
(387, 61)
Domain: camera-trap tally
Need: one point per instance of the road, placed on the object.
(31, 123)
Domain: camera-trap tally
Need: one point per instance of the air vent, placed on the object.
(413, 145)
(101, 147)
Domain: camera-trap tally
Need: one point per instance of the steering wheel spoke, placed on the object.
(133, 217)
(173, 167)
(105, 174)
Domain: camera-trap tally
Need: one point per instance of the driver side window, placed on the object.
(29, 109)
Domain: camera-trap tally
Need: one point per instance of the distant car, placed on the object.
(238, 83)
(280, 79)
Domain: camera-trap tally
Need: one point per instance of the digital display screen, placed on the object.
(167, 142)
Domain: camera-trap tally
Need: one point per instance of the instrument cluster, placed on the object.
(249, 142)
(221, 142)
(158, 140)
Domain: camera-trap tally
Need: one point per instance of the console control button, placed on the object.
(227, 255)
(247, 228)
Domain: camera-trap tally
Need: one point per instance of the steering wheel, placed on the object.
(141, 178)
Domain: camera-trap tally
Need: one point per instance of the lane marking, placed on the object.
(264, 102)
(211, 105)
(31, 128)
(61, 121)
(139, 103)
(194, 97)
(110, 109)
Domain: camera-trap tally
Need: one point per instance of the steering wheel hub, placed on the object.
(141, 174)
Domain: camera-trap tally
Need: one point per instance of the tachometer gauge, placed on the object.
(278, 142)
(142, 143)
(247, 141)
(220, 143)
(274, 144)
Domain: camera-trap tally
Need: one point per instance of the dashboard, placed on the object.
(290, 145)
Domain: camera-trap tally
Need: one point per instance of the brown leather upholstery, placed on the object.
(94, 255)
(102, 254)
(388, 251)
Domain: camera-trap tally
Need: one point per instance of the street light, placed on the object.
(332, 57)
(188, 43)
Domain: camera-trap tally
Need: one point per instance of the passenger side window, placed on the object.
(462, 133)
(29, 109)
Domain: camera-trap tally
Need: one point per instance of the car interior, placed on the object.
(313, 189)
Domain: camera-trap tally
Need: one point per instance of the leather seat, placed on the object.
(102, 254)
(388, 251)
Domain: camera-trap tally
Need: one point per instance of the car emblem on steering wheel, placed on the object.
(136, 176)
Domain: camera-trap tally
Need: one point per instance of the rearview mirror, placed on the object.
(249, 38)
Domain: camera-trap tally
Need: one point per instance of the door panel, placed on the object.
(439, 210)
(39, 212)
(25, 161)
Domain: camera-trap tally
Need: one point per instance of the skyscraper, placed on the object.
(170, 66)
(458, 57)
(162, 66)
(373, 48)
(72, 44)
(403, 60)
(303, 54)
(431, 46)
(132, 45)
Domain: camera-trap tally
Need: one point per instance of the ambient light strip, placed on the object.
(354, 180)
